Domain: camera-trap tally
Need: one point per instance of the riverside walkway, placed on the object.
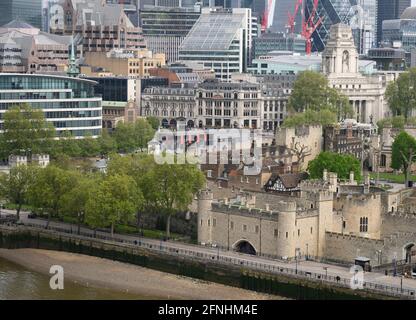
(315, 271)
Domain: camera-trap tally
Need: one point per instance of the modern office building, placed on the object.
(389, 10)
(26, 49)
(331, 12)
(97, 25)
(29, 11)
(220, 40)
(70, 104)
(389, 59)
(277, 41)
(281, 16)
(285, 62)
(359, 14)
(401, 32)
(122, 97)
(364, 25)
(165, 28)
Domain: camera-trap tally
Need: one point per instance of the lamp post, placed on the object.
(395, 264)
(326, 272)
(296, 259)
(307, 252)
(401, 284)
(379, 257)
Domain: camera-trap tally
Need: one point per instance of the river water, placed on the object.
(17, 282)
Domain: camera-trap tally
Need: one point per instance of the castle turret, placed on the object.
(205, 199)
(286, 243)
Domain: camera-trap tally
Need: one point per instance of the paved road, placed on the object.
(215, 253)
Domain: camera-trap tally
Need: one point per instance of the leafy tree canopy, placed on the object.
(311, 91)
(341, 164)
(26, 132)
(401, 94)
(310, 117)
(403, 153)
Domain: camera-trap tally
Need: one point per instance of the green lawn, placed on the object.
(395, 178)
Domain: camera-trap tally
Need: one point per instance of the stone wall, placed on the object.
(348, 247)
(394, 222)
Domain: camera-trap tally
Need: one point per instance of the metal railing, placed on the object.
(217, 257)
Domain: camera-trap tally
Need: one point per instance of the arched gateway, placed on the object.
(243, 246)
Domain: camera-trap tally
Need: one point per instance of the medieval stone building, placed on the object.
(327, 219)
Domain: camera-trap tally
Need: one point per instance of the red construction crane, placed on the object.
(310, 25)
(292, 18)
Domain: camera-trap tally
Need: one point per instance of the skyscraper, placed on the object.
(331, 12)
(389, 10)
(283, 8)
(29, 11)
(165, 25)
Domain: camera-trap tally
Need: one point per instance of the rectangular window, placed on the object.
(311, 230)
(232, 225)
(276, 233)
(298, 232)
(257, 229)
(245, 228)
(209, 223)
(287, 235)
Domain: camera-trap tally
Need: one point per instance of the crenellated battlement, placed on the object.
(279, 208)
(352, 237)
(243, 210)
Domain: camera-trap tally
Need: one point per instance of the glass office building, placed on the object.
(389, 10)
(29, 11)
(69, 103)
(332, 12)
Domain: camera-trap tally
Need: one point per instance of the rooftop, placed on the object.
(214, 31)
(409, 13)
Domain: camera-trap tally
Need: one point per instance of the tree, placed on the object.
(115, 200)
(401, 94)
(130, 137)
(154, 122)
(89, 146)
(311, 91)
(341, 164)
(49, 186)
(403, 154)
(310, 117)
(172, 187)
(66, 145)
(136, 166)
(300, 151)
(106, 143)
(26, 132)
(75, 201)
(14, 187)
